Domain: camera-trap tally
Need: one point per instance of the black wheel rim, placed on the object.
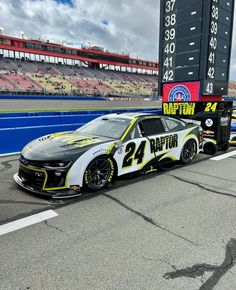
(188, 151)
(99, 173)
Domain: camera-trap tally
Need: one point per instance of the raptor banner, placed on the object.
(184, 109)
(215, 118)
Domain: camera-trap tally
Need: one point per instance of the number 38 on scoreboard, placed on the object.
(195, 43)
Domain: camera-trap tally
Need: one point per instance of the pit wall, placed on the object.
(17, 129)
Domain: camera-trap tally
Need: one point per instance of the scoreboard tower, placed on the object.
(194, 53)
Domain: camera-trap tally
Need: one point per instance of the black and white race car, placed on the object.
(60, 164)
(233, 129)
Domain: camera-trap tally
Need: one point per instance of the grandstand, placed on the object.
(34, 67)
(22, 76)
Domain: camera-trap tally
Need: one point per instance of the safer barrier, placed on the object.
(17, 129)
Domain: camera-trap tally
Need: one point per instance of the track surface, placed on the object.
(55, 105)
(172, 230)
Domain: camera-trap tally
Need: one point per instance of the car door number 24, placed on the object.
(132, 154)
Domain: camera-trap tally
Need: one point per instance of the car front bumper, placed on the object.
(56, 194)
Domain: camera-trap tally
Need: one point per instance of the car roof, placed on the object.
(130, 115)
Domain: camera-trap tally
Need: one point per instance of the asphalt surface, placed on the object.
(172, 230)
(57, 105)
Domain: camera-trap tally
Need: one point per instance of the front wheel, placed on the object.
(188, 152)
(99, 173)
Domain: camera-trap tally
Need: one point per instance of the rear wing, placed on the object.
(190, 121)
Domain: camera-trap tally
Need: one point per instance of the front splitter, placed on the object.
(58, 194)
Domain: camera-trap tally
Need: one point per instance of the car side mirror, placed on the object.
(119, 144)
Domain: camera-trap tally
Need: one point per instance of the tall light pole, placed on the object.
(1, 30)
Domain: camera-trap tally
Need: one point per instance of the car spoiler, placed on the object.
(190, 121)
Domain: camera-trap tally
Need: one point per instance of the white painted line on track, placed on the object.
(224, 156)
(27, 221)
(9, 154)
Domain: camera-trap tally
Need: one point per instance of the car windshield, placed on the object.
(105, 127)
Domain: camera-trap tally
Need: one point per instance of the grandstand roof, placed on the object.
(90, 55)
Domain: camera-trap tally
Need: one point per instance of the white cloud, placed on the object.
(132, 26)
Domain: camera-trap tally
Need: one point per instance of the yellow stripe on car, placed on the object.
(170, 157)
(35, 169)
(189, 134)
(128, 129)
(232, 143)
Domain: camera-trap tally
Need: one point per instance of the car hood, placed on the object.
(61, 146)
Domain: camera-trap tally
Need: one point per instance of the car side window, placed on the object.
(151, 127)
(172, 124)
(135, 133)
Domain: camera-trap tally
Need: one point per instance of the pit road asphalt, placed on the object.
(172, 230)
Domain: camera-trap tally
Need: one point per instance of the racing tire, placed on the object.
(225, 147)
(210, 148)
(99, 173)
(188, 152)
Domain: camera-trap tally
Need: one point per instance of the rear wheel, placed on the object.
(188, 152)
(225, 147)
(99, 173)
(210, 148)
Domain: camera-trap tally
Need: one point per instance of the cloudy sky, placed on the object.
(129, 25)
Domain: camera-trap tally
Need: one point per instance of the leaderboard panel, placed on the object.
(216, 77)
(195, 43)
(180, 40)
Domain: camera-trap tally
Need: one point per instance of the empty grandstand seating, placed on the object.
(8, 65)
(5, 85)
(55, 84)
(49, 78)
(23, 83)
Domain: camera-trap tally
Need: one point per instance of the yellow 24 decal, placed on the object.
(211, 107)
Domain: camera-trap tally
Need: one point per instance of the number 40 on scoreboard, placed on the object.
(195, 43)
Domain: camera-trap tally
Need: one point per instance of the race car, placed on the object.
(233, 122)
(60, 164)
(233, 129)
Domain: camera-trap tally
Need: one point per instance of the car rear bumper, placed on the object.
(57, 194)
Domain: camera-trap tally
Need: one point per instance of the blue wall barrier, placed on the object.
(17, 129)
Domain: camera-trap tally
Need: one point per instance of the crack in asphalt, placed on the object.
(7, 165)
(199, 270)
(147, 219)
(55, 228)
(204, 174)
(23, 215)
(203, 187)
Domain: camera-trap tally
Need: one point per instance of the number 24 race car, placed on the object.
(60, 164)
